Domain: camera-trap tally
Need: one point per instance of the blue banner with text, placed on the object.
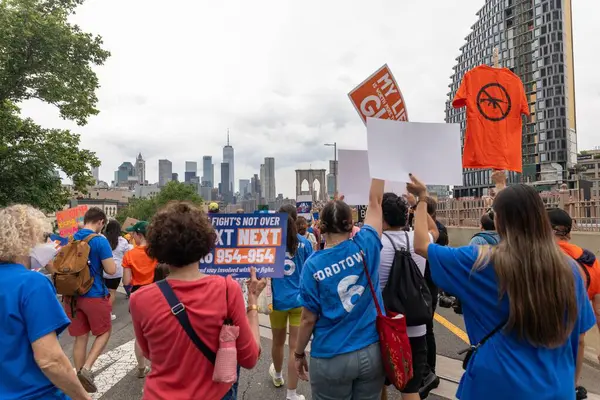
(247, 240)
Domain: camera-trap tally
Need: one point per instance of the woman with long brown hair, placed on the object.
(524, 302)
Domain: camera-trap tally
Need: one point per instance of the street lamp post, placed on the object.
(335, 170)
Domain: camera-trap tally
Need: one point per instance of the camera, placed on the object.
(446, 300)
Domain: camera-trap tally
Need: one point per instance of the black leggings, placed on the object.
(431, 346)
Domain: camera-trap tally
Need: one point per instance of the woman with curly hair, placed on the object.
(180, 235)
(34, 365)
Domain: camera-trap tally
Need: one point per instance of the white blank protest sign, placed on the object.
(428, 150)
(354, 179)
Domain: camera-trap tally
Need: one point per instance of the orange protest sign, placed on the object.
(379, 97)
(129, 222)
(68, 220)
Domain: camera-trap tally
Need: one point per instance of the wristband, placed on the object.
(252, 307)
(300, 356)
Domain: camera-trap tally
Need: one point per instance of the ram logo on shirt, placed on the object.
(347, 291)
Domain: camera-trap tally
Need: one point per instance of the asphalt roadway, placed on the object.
(116, 379)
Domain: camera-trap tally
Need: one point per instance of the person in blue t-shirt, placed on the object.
(287, 304)
(33, 364)
(524, 293)
(339, 310)
(93, 309)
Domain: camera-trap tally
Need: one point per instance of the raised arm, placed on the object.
(421, 225)
(374, 214)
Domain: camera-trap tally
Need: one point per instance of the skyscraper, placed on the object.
(96, 174)
(165, 172)
(191, 170)
(140, 169)
(262, 182)
(255, 187)
(244, 186)
(534, 38)
(229, 159)
(208, 172)
(270, 194)
(123, 174)
(225, 188)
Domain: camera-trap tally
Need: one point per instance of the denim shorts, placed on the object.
(232, 394)
(356, 375)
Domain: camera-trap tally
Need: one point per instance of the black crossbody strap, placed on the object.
(489, 335)
(178, 310)
(391, 241)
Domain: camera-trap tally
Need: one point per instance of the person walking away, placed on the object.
(179, 235)
(395, 211)
(302, 227)
(526, 340)
(92, 310)
(488, 234)
(119, 246)
(339, 309)
(138, 271)
(34, 365)
(562, 223)
(430, 379)
(287, 305)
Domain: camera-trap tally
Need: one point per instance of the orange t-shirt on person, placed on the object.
(495, 100)
(593, 268)
(141, 265)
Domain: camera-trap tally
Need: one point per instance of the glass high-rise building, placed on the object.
(270, 194)
(191, 170)
(228, 158)
(165, 172)
(534, 38)
(208, 172)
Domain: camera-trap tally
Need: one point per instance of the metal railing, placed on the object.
(467, 213)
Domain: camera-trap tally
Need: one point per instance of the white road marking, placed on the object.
(117, 370)
(112, 356)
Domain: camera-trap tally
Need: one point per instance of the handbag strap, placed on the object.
(178, 310)
(362, 254)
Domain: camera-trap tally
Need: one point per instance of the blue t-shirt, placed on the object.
(99, 250)
(335, 288)
(505, 367)
(59, 239)
(286, 290)
(29, 311)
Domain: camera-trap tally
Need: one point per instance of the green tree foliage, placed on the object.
(29, 157)
(44, 57)
(145, 208)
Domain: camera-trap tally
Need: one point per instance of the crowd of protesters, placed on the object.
(527, 293)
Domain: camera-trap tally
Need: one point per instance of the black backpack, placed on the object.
(490, 239)
(406, 291)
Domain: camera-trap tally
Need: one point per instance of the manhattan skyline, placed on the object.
(299, 102)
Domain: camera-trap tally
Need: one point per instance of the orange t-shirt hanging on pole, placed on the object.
(495, 100)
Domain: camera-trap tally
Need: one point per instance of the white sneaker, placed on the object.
(298, 397)
(113, 317)
(277, 382)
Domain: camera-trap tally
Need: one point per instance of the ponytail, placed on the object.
(292, 230)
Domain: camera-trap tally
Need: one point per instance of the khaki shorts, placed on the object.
(279, 319)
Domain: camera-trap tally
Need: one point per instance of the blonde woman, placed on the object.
(33, 363)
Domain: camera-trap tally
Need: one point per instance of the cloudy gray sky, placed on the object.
(277, 74)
